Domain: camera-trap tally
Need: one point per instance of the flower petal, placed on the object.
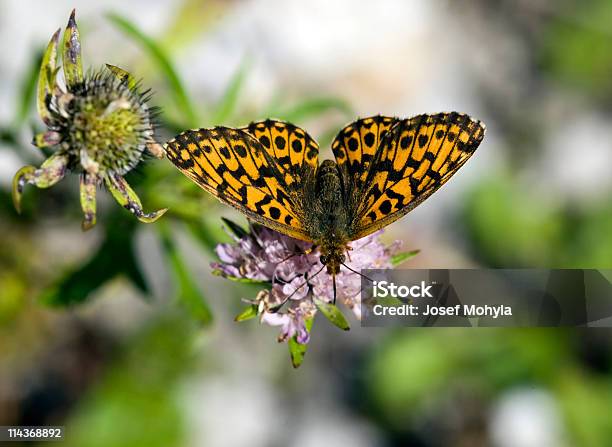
(122, 75)
(73, 67)
(46, 78)
(50, 172)
(88, 200)
(47, 139)
(127, 198)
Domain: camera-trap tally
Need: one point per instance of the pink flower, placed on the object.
(292, 271)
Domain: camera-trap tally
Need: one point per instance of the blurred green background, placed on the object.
(122, 335)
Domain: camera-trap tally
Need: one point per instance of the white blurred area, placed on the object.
(526, 418)
(391, 57)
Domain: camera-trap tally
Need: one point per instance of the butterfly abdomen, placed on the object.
(326, 208)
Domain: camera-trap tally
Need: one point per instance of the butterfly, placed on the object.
(384, 167)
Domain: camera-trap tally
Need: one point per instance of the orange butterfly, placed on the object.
(384, 167)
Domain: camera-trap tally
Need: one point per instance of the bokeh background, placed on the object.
(109, 332)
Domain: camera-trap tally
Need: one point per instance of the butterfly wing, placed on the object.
(293, 151)
(355, 147)
(413, 159)
(237, 168)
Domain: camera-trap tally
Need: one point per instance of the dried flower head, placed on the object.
(99, 124)
(299, 287)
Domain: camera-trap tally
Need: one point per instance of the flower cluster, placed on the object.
(98, 123)
(296, 276)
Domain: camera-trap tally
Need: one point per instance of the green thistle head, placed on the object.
(99, 124)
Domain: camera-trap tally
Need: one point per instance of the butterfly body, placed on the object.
(328, 226)
(384, 167)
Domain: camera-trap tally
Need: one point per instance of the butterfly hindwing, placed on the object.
(356, 144)
(415, 158)
(235, 167)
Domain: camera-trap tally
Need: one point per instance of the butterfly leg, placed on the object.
(334, 283)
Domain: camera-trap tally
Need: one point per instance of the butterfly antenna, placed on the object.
(288, 257)
(355, 271)
(298, 288)
(301, 253)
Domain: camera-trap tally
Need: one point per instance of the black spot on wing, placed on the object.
(265, 141)
(274, 212)
(224, 151)
(385, 207)
(405, 141)
(240, 150)
(280, 142)
(422, 140)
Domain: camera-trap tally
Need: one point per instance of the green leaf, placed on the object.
(208, 232)
(297, 351)
(227, 105)
(236, 229)
(28, 89)
(332, 313)
(248, 313)
(114, 257)
(159, 56)
(188, 293)
(315, 107)
(398, 258)
(241, 280)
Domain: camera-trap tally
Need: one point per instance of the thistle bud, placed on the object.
(99, 125)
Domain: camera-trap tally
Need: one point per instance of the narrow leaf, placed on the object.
(247, 314)
(238, 231)
(314, 107)
(333, 314)
(398, 258)
(188, 293)
(240, 280)
(297, 351)
(207, 233)
(28, 89)
(227, 105)
(159, 56)
(114, 257)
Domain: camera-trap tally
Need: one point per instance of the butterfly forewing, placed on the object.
(415, 158)
(294, 152)
(236, 168)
